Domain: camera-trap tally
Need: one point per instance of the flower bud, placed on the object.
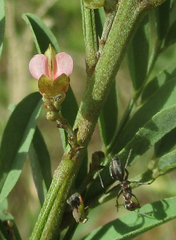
(52, 116)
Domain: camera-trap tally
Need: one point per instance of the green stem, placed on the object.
(90, 38)
(106, 29)
(54, 205)
(128, 17)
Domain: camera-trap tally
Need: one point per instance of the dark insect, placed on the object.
(77, 205)
(74, 200)
(120, 173)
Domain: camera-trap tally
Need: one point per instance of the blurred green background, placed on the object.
(64, 19)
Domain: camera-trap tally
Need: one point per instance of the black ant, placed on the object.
(120, 173)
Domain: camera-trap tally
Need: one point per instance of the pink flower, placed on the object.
(39, 66)
(52, 70)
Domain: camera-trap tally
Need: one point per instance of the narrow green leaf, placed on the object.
(41, 33)
(8, 228)
(69, 111)
(165, 144)
(109, 116)
(2, 24)
(41, 166)
(138, 55)
(163, 19)
(171, 36)
(134, 224)
(16, 141)
(99, 20)
(70, 107)
(166, 75)
(167, 162)
(148, 135)
(90, 37)
(163, 98)
(70, 232)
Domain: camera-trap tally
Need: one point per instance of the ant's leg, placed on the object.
(127, 173)
(128, 158)
(103, 186)
(126, 164)
(117, 204)
(136, 200)
(143, 183)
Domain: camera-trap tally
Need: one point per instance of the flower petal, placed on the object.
(64, 64)
(53, 88)
(38, 66)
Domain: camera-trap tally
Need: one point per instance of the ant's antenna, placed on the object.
(128, 158)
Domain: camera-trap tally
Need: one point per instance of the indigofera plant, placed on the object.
(141, 32)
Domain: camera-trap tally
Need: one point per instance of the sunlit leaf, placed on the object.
(165, 144)
(163, 98)
(16, 141)
(133, 224)
(164, 76)
(167, 162)
(151, 133)
(41, 33)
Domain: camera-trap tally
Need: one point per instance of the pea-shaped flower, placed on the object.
(52, 70)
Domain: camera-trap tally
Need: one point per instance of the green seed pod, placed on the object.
(94, 4)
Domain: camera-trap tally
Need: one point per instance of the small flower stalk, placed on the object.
(52, 70)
